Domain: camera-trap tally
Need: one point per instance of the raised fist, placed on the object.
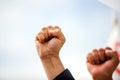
(49, 41)
(102, 63)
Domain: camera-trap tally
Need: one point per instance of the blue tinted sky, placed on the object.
(86, 24)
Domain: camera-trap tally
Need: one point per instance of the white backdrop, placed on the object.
(85, 23)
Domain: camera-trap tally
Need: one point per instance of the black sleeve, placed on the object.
(65, 75)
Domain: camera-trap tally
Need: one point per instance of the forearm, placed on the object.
(52, 65)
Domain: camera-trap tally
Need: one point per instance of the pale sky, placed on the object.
(86, 25)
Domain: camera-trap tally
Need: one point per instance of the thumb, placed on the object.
(109, 54)
(113, 56)
(56, 32)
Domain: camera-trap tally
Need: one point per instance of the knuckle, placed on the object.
(89, 55)
(108, 48)
(57, 27)
(101, 50)
(95, 50)
(36, 38)
(44, 28)
(49, 26)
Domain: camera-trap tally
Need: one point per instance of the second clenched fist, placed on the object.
(101, 63)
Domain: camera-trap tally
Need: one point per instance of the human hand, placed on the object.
(102, 63)
(49, 41)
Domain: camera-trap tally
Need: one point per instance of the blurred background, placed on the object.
(86, 25)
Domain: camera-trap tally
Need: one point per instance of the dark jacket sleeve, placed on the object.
(65, 75)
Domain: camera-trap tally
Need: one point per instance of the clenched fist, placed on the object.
(49, 41)
(102, 63)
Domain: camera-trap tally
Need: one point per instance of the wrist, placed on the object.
(49, 56)
(102, 78)
(52, 65)
(54, 60)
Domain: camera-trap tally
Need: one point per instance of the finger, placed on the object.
(96, 56)
(36, 38)
(90, 58)
(108, 48)
(115, 58)
(112, 55)
(40, 37)
(101, 53)
(109, 53)
(50, 28)
(56, 32)
(44, 31)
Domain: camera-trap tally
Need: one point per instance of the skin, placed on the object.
(49, 41)
(102, 63)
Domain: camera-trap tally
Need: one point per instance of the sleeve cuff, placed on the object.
(65, 75)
